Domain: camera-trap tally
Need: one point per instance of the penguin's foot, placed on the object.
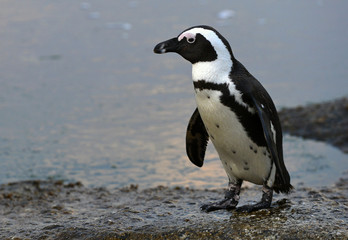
(264, 203)
(231, 199)
(227, 204)
(255, 207)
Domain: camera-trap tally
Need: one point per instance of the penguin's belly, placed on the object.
(240, 156)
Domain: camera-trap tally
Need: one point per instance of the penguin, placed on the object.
(236, 113)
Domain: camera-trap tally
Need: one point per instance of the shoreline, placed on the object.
(58, 210)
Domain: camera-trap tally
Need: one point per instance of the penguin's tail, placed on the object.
(281, 186)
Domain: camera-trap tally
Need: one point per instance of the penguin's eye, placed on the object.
(191, 40)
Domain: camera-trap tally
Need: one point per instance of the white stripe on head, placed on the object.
(211, 36)
(215, 71)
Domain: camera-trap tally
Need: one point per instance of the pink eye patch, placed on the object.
(188, 36)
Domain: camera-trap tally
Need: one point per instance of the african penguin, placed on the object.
(236, 113)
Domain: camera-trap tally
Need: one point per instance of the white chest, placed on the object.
(240, 156)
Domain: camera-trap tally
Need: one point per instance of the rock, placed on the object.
(326, 121)
(77, 212)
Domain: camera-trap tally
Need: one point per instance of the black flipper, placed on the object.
(196, 139)
(266, 114)
(256, 96)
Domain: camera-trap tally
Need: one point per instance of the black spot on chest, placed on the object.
(250, 121)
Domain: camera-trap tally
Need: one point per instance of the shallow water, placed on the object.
(83, 97)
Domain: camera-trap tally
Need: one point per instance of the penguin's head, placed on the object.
(197, 44)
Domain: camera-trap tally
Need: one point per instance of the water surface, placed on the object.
(83, 97)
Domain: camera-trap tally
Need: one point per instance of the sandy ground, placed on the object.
(58, 210)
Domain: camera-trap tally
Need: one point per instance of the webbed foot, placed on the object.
(231, 199)
(255, 207)
(264, 203)
(227, 204)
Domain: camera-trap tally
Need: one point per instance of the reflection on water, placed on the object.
(152, 163)
(83, 97)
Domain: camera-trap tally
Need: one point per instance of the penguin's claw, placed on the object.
(255, 207)
(227, 204)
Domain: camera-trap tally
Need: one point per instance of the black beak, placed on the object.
(170, 45)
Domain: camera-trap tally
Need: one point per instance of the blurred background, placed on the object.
(83, 97)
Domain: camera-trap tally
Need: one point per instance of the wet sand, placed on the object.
(53, 210)
(58, 210)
